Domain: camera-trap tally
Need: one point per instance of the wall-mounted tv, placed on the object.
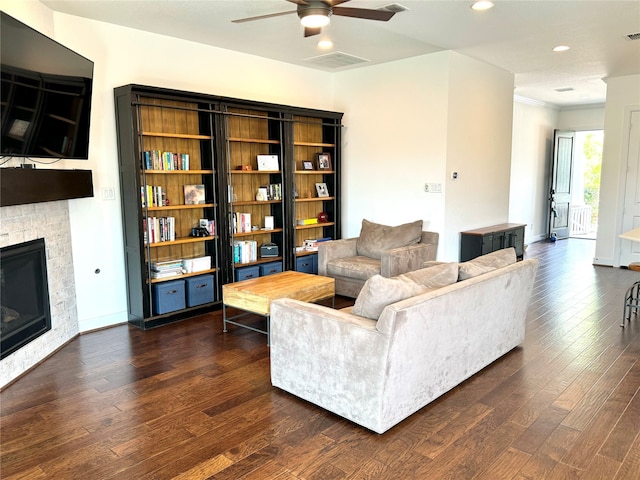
(46, 95)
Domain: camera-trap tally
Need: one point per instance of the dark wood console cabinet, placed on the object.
(481, 241)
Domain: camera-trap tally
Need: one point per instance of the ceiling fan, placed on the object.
(314, 14)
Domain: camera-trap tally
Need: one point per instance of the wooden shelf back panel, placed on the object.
(172, 121)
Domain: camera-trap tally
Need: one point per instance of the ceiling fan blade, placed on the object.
(261, 17)
(366, 13)
(309, 32)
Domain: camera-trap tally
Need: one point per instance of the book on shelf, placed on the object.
(194, 194)
(307, 221)
(274, 191)
(310, 245)
(159, 160)
(153, 196)
(245, 251)
(166, 269)
(241, 222)
(159, 229)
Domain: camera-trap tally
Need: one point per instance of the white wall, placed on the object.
(479, 125)
(124, 56)
(581, 118)
(417, 119)
(532, 149)
(622, 93)
(394, 141)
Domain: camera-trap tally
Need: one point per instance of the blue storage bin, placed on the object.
(245, 273)
(200, 290)
(270, 268)
(305, 264)
(168, 296)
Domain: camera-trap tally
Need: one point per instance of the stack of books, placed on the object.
(198, 264)
(245, 251)
(170, 268)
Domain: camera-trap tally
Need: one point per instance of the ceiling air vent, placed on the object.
(633, 36)
(565, 89)
(335, 60)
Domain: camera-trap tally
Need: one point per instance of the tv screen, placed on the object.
(46, 95)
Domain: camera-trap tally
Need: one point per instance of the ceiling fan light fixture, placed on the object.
(314, 16)
(482, 5)
(314, 21)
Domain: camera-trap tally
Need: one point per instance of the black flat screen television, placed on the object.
(46, 95)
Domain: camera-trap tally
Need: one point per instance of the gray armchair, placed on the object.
(380, 249)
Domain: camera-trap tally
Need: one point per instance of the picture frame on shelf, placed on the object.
(322, 190)
(268, 163)
(323, 160)
(194, 194)
(307, 165)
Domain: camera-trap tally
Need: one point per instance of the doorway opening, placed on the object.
(585, 180)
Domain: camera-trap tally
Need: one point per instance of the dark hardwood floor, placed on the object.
(187, 401)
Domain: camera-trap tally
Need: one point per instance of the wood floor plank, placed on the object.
(187, 401)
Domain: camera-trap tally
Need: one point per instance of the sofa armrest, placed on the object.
(406, 259)
(333, 249)
(430, 237)
(329, 357)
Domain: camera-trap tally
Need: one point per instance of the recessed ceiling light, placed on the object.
(482, 5)
(561, 48)
(325, 44)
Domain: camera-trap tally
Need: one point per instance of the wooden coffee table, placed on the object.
(255, 295)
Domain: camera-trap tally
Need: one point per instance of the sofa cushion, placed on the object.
(435, 276)
(375, 239)
(378, 292)
(357, 267)
(486, 263)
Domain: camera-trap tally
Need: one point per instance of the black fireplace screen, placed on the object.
(24, 292)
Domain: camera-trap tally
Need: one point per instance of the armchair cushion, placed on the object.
(357, 267)
(375, 239)
(378, 292)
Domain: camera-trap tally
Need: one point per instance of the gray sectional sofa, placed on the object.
(426, 339)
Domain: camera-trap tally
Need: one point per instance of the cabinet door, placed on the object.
(256, 191)
(516, 240)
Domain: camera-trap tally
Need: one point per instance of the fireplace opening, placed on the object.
(24, 295)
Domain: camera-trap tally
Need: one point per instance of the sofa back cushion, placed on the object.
(486, 263)
(436, 276)
(378, 292)
(375, 239)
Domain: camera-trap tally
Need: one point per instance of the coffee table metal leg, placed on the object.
(224, 318)
(268, 332)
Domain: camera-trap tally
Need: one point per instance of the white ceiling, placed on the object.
(515, 35)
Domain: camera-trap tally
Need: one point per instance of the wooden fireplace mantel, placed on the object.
(21, 186)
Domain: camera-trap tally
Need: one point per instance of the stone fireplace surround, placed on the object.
(48, 220)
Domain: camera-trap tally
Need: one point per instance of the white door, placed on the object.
(630, 251)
